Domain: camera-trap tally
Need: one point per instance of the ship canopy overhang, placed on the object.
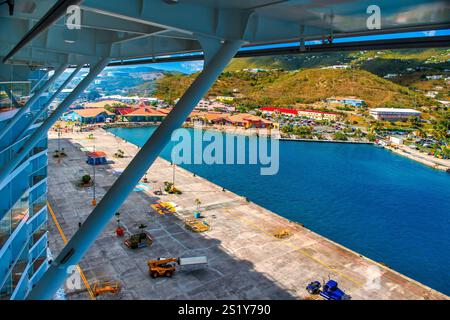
(136, 29)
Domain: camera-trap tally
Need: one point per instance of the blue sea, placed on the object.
(384, 206)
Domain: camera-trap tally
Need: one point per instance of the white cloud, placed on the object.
(193, 66)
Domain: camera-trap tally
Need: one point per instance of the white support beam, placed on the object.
(46, 125)
(78, 245)
(27, 107)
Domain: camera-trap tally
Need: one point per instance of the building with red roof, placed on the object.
(284, 111)
(312, 114)
(249, 121)
(123, 111)
(145, 114)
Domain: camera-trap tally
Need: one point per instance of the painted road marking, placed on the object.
(63, 236)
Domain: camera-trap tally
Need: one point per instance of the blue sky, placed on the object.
(195, 66)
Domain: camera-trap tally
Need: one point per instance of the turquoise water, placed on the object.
(384, 206)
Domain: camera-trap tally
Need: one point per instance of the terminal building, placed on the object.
(42, 39)
(394, 114)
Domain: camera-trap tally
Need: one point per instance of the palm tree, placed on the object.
(141, 229)
(198, 203)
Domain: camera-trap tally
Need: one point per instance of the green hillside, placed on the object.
(290, 62)
(378, 62)
(282, 88)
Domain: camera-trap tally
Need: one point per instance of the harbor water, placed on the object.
(386, 207)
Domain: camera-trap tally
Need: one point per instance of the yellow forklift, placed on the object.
(167, 266)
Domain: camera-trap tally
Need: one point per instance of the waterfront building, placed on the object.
(130, 99)
(318, 115)
(396, 140)
(196, 116)
(104, 103)
(120, 112)
(248, 121)
(311, 114)
(220, 106)
(216, 118)
(91, 115)
(165, 111)
(214, 106)
(145, 114)
(394, 114)
(277, 111)
(203, 104)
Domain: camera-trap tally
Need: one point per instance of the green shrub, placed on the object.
(86, 179)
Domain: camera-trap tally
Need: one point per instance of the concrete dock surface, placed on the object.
(246, 259)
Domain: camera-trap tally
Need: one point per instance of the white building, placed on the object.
(337, 66)
(393, 114)
(203, 104)
(431, 94)
(396, 140)
(435, 77)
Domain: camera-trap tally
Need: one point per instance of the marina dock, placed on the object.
(252, 252)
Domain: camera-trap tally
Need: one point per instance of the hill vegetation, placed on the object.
(377, 62)
(289, 88)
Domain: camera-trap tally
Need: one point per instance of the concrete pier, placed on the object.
(246, 259)
(430, 161)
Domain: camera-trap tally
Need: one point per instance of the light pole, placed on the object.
(94, 200)
(59, 137)
(173, 175)
(58, 152)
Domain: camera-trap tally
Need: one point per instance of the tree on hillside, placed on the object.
(109, 107)
(118, 105)
(415, 122)
(376, 126)
(339, 135)
(286, 128)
